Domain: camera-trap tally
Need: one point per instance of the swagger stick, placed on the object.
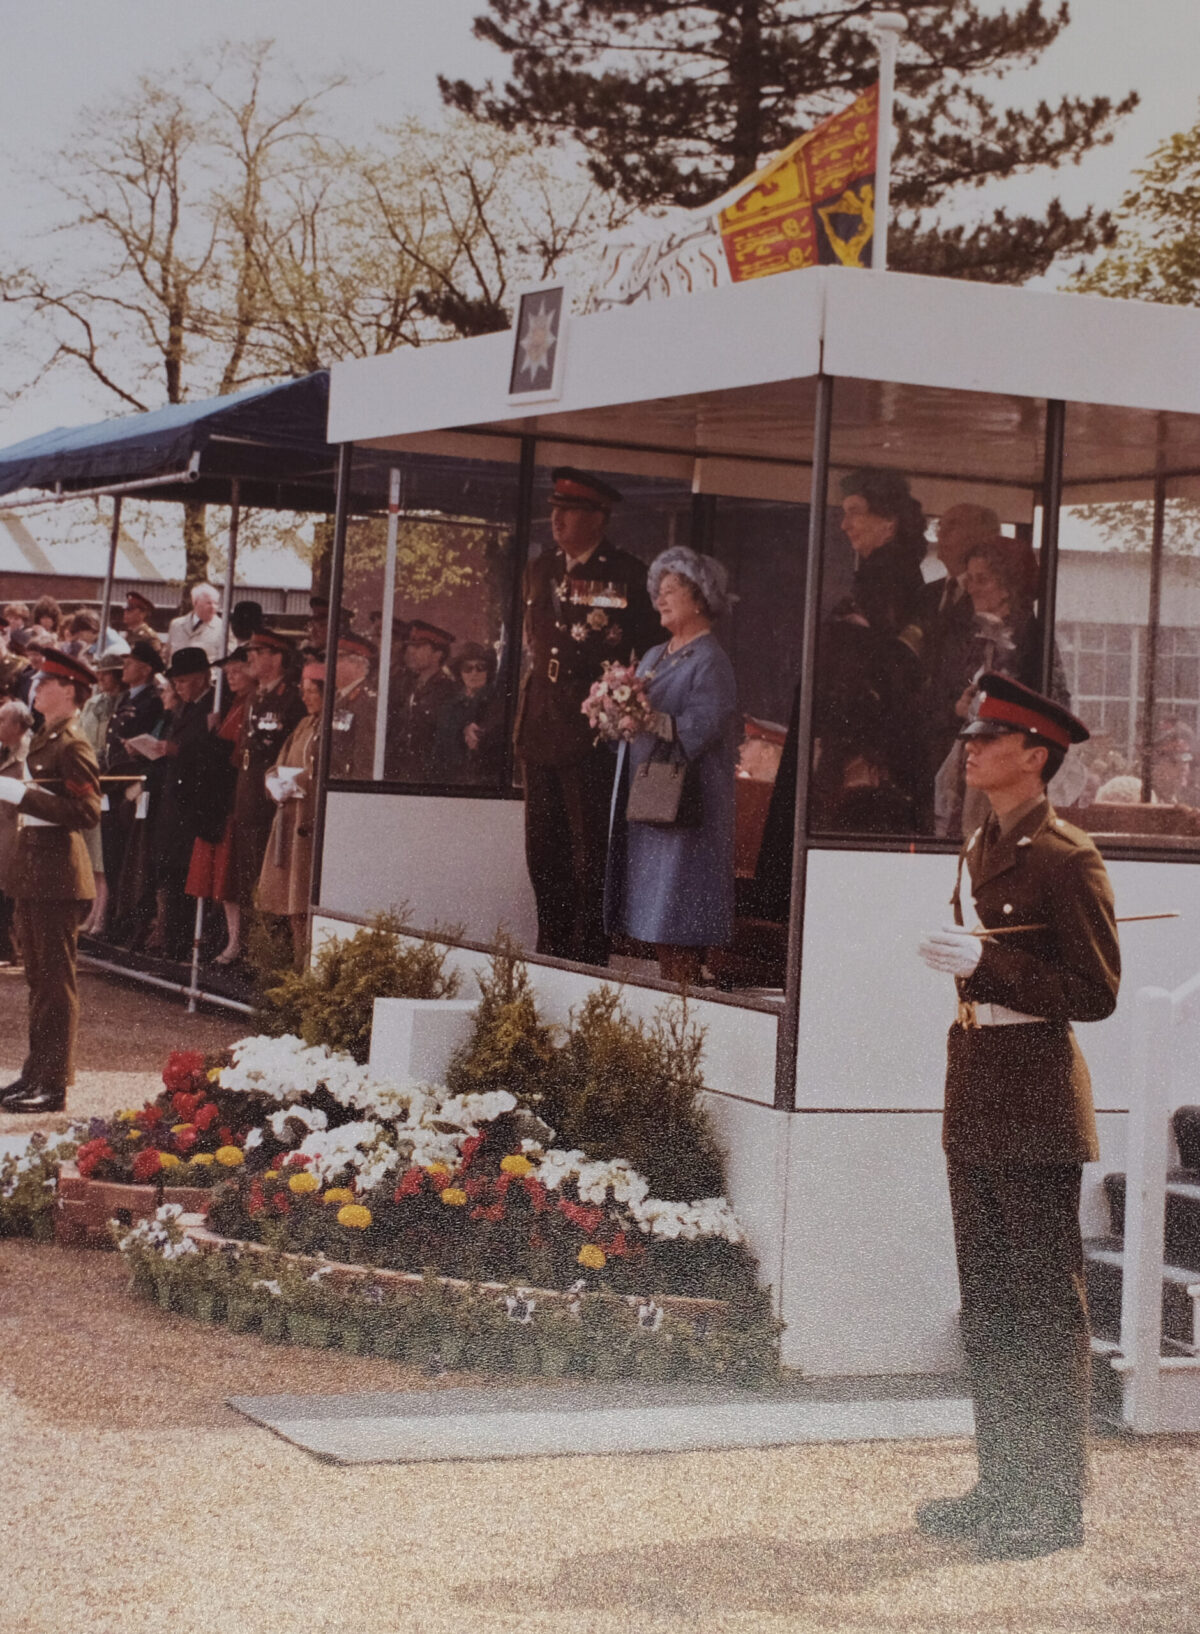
(1123, 919)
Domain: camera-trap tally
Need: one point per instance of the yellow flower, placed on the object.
(228, 1156)
(338, 1194)
(213, 1074)
(178, 1128)
(438, 1168)
(354, 1214)
(303, 1182)
(168, 1160)
(271, 1174)
(202, 1159)
(135, 1134)
(592, 1257)
(516, 1163)
(454, 1197)
(127, 1116)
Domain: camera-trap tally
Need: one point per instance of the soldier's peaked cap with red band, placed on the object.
(134, 598)
(360, 646)
(273, 640)
(1006, 706)
(419, 631)
(581, 491)
(64, 666)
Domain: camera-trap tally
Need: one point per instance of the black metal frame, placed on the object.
(1052, 491)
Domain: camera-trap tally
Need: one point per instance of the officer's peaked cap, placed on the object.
(1006, 706)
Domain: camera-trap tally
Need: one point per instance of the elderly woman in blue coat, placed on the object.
(673, 886)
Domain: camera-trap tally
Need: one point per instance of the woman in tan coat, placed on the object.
(284, 878)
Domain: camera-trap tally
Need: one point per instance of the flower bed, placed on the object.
(455, 1207)
(436, 1322)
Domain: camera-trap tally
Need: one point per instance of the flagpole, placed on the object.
(887, 27)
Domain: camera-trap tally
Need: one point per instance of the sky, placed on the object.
(62, 55)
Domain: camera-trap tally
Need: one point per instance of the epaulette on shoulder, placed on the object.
(1067, 833)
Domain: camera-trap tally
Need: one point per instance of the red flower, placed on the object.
(91, 1155)
(536, 1193)
(411, 1182)
(474, 1185)
(183, 1068)
(185, 1105)
(185, 1140)
(300, 1158)
(501, 1183)
(146, 1164)
(469, 1147)
(151, 1113)
(226, 1134)
(619, 1247)
(494, 1212)
(205, 1116)
(281, 1201)
(587, 1219)
(255, 1203)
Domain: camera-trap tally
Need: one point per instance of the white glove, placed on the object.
(275, 787)
(12, 790)
(952, 950)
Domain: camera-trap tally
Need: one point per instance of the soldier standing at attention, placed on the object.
(1019, 1126)
(585, 602)
(51, 878)
(352, 747)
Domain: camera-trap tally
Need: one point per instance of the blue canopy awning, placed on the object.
(271, 439)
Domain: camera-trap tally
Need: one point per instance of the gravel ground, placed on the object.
(137, 1500)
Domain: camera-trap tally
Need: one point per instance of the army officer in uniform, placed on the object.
(1019, 1126)
(585, 602)
(51, 878)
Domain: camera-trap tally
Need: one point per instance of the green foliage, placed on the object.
(441, 1326)
(333, 1002)
(622, 1088)
(1157, 252)
(510, 1047)
(615, 1088)
(675, 100)
(27, 1181)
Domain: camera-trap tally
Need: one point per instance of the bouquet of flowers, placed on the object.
(617, 706)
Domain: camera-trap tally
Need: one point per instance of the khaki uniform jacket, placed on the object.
(1022, 1093)
(573, 623)
(12, 764)
(51, 862)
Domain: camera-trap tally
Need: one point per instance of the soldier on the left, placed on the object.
(51, 878)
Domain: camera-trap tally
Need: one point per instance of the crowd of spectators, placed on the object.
(208, 762)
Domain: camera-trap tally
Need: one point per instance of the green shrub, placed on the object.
(510, 1047)
(625, 1088)
(333, 1002)
(614, 1088)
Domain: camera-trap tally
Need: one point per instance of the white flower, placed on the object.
(519, 1308)
(649, 1316)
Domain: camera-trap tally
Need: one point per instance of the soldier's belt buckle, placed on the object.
(966, 1014)
(245, 760)
(552, 669)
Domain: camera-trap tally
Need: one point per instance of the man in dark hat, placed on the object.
(419, 692)
(191, 755)
(246, 618)
(1019, 1126)
(136, 714)
(352, 744)
(51, 878)
(585, 602)
(135, 620)
(274, 713)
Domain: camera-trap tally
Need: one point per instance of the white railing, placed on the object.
(1155, 1396)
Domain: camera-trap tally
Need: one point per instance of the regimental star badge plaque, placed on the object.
(535, 373)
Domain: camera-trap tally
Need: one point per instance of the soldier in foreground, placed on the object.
(51, 878)
(1019, 1126)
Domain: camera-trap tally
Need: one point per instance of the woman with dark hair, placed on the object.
(48, 614)
(467, 737)
(868, 765)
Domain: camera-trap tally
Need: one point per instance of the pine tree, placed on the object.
(674, 100)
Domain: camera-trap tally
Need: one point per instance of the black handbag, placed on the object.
(665, 790)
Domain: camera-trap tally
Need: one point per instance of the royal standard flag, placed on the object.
(813, 205)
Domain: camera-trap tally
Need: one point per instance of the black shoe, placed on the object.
(15, 1091)
(953, 1517)
(1011, 1537)
(38, 1100)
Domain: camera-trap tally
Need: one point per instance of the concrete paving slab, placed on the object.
(479, 1424)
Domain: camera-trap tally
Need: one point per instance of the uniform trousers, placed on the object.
(48, 934)
(566, 848)
(1025, 1328)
